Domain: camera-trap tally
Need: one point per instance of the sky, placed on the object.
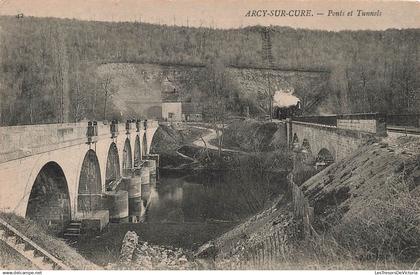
(228, 13)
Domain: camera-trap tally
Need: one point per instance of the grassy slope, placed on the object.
(53, 245)
(370, 200)
(367, 214)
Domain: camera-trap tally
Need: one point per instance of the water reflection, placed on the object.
(209, 197)
(187, 211)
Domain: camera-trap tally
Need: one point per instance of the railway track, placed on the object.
(403, 130)
(39, 257)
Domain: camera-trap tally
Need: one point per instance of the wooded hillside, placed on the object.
(48, 66)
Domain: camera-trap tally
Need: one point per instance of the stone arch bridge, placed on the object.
(331, 138)
(61, 171)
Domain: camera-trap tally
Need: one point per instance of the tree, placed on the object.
(265, 96)
(108, 90)
(62, 71)
(79, 94)
(219, 97)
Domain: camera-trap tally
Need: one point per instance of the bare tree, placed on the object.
(108, 90)
(217, 92)
(62, 81)
(266, 96)
(79, 99)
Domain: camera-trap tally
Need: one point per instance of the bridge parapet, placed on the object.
(374, 123)
(330, 120)
(24, 138)
(22, 141)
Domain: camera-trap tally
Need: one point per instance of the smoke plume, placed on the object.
(285, 98)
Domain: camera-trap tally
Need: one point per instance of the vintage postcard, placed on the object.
(209, 135)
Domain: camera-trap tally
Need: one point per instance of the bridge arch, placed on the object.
(137, 152)
(144, 146)
(113, 169)
(295, 138)
(152, 144)
(295, 141)
(306, 146)
(324, 158)
(49, 199)
(127, 158)
(90, 185)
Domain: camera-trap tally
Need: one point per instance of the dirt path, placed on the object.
(210, 136)
(185, 156)
(207, 138)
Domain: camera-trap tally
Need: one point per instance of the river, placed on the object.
(188, 210)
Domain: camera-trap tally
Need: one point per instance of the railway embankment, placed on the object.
(58, 248)
(365, 213)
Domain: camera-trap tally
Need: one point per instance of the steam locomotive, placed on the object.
(286, 112)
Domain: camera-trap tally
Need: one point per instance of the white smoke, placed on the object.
(285, 98)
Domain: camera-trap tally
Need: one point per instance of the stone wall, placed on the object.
(368, 126)
(357, 125)
(143, 87)
(19, 141)
(252, 80)
(339, 142)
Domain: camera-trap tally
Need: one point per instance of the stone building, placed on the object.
(181, 111)
(172, 111)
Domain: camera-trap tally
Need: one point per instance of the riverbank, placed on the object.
(169, 139)
(366, 216)
(189, 147)
(104, 250)
(193, 206)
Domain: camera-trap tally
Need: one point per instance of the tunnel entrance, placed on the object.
(49, 201)
(127, 159)
(112, 165)
(137, 152)
(324, 159)
(90, 188)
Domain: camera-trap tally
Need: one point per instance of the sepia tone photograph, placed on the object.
(209, 135)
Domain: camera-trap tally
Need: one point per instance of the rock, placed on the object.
(207, 250)
(129, 244)
(183, 260)
(383, 145)
(149, 257)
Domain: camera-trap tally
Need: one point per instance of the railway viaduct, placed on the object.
(60, 171)
(331, 138)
